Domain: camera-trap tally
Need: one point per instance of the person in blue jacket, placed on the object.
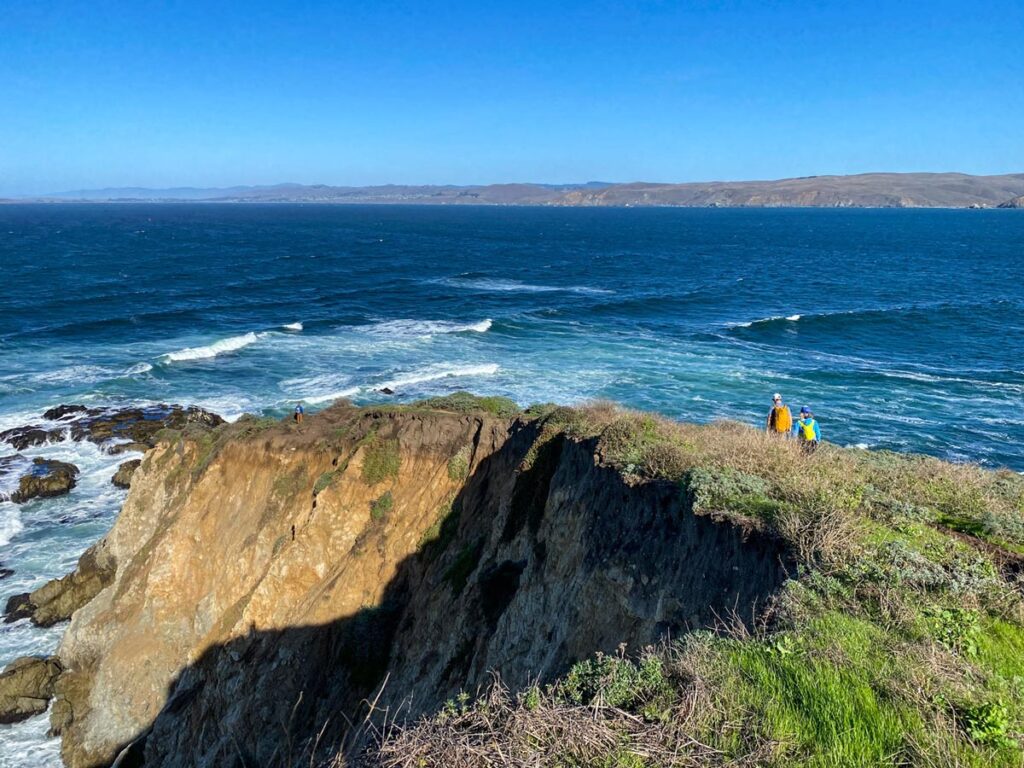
(807, 430)
(299, 413)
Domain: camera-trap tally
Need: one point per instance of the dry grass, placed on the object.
(539, 729)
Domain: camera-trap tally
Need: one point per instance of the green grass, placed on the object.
(324, 482)
(381, 460)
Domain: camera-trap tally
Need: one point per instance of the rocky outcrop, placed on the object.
(58, 599)
(123, 477)
(138, 426)
(267, 580)
(45, 478)
(21, 438)
(26, 687)
(1013, 202)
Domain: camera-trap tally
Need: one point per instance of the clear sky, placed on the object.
(106, 93)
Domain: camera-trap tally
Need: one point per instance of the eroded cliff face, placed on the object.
(269, 578)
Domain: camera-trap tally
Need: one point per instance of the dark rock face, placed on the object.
(5, 572)
(47, 478)
(26, 687)
(123, 477)
(1013, 202)
(27, 437)
(56, 600)
(63, 411)
(18, 607)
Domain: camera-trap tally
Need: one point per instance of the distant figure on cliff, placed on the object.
(780, 420)
(807, 430)
(299, 413)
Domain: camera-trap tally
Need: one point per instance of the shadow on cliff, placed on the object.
(532, 571)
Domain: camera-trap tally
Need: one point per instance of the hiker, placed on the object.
(299, 413)
(807, 430)
(780, 420)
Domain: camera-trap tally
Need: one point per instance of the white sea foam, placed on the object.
(10, 522)
(438, 372)
(514, 286)
(292, 326)
(79, 374)
(772, 319)
(316, 399)
(425, 328)
(221, 347)
(138, 368)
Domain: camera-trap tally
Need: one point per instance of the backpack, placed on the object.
(807, 430)
(782, 419)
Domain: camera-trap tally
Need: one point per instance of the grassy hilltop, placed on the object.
(898, 641)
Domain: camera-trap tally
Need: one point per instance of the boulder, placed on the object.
(56, 600)
(5, 572)
(26, 437)
(63, 411)
(26, 687)
(46, 478)
(123, 477)
(18, 607)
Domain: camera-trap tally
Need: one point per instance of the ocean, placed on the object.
(901, 329)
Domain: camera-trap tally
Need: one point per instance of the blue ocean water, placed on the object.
(901, 329)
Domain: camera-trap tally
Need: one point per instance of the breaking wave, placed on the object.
(423, 328)
(437, 372)
(212, 350)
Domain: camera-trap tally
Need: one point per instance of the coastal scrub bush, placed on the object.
(955, 628)
(381, 460)
(381, 507)
(464, 402)
(458, 465)
(323, 482)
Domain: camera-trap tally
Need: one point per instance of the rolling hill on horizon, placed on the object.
(868, 190)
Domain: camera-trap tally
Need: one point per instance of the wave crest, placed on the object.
(437, 372)
(423, 328)
(212, 350)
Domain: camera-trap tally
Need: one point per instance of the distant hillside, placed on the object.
(869, 190)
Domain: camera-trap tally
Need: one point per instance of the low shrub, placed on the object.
(381, 460)
(381, 507)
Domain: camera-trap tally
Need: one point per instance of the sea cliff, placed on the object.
(265, 580)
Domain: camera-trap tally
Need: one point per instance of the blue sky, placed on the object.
(216, 93)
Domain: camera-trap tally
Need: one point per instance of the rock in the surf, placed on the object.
(124, 429)
(29, 436)
(18, 607)
(45, 478)
(26, 687)
(123, 477)
(56, 600)
(63, 411)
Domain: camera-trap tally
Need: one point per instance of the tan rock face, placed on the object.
(268, 579)
(26, 685)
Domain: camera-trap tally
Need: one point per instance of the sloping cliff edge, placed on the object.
(267, 577)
